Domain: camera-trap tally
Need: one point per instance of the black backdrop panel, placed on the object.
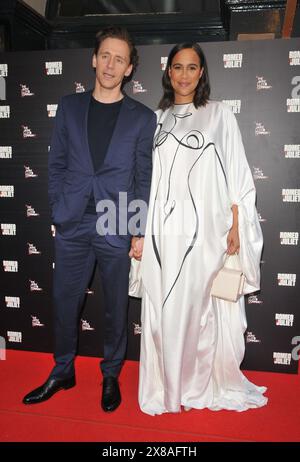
(261, 83)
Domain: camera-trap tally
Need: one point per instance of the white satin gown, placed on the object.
(192, 344)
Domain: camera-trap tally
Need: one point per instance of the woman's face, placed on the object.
(185, 72)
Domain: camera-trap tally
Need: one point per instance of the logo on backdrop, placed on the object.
(53, 67)
(27, 133)
(282, 358)
(137, 329)
(7, 191)
(5, 152)
(51, 110)
(35, 322)
(293, 104)
(258, 174)
(292, 151)
(4, 112)
(232, 60)
(253, 299)
(294, 58)
(291, 195)
(10, 266)
(34, 287)
(262, 84)
(8, 229)
(137, 87)
(288, 238)
(32, 250)
(14, 337)
(282, 319)
(30, 212)
(85, 325)
(260, 129)
(29, 172)
(260, 218)
(12, 302)
(25, 91)
(286, 279)
(79, 88)
(234, 104)
(3, 70)
(163, 62)
(251, 338)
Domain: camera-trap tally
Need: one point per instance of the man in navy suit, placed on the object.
(101, 147)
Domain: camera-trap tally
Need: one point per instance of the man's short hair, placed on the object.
(122, 34)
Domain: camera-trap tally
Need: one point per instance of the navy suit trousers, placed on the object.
(75, 258)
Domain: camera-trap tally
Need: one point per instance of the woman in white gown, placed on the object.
(202, 206)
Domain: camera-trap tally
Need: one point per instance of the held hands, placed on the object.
(233, 241)
(136, 251)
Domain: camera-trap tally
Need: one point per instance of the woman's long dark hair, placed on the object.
(202, 93)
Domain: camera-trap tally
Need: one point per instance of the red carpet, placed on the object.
(75, 415)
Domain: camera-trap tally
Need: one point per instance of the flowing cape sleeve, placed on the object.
(242, 193)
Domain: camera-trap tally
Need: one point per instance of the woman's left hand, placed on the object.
(233, 241)
(136, 251)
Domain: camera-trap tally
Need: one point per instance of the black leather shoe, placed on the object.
(48, 389)
(111, 396)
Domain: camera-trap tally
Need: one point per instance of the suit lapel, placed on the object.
(85, 113)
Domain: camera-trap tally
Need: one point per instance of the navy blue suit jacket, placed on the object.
(127, 166)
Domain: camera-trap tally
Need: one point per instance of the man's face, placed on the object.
(112, 63)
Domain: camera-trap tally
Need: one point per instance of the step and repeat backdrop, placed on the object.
(260, 81)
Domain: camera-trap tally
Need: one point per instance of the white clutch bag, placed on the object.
(229, 282)
(135, 279)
